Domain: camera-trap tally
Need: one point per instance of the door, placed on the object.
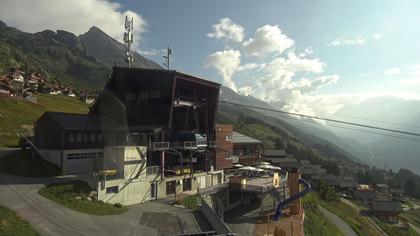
(186, 186)
(201, 182)
(153, 190)
(170, 187)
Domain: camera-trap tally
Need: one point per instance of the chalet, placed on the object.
(364, 195)
(382, 191)
(272, 153)
(386, 210)
(149, 134)
(397, 193)
(288, 163)
(248, 150)
(281, 158)
(307, 168)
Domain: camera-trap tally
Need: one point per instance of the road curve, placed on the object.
(341, 224)
(20, 194)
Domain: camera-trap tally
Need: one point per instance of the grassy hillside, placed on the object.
(315, 222)
(23, 114)
(12, 224)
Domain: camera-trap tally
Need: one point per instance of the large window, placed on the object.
(79, 138)
(74, 156)
(113, 189)
(100, 137)
(71, 137)
(92, 138)
(130, 97)
(85, 137)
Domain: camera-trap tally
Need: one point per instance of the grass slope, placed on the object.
(412, 216)
(66, 194)
(11, 224)
(358, 223)
(315, 223)
(22, 163)
(23, 114)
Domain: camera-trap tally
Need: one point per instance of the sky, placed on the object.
(301, 56)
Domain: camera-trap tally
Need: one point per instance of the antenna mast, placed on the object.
(128, 40)
(167, 57)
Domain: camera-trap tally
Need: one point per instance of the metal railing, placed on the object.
(152, 170)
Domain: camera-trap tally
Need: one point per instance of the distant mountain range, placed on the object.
(383, 150)
(84, 60)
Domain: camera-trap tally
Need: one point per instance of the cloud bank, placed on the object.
(267, 67)
(76, 16)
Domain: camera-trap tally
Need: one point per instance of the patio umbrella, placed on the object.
(238, 165)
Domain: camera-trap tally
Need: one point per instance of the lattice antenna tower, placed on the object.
(167, 57)
(128, 40)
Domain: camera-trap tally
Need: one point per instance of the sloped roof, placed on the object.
(286, 162)
(396, 190)
(240, 138)
(386, 205)
(275, 153)
(364, 194)
(73, 121)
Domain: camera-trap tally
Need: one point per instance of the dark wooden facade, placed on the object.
(53, 132)
(163, 99)
(224, 148)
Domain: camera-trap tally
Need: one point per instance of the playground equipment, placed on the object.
(285, 202)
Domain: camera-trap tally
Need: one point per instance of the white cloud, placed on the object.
(152, 52)
(309, 50)
(411, 78)
(226, 62)
(76, 16)
(246, 90)
(227, 29)
(267, 39)
(273, 80)
(392, 72)
(348, 42)
(377, 36)
(307, 85)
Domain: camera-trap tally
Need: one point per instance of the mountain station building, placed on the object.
(150, 134)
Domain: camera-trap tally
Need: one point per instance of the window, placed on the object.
(74, 156)
(100, 155)
(154, 94)
(85, 137)
(79, 138)
(143, 95)
(130, 97)
(92, 138)
(229, 138)
(71, 137)
(113, 189)
(100, 137)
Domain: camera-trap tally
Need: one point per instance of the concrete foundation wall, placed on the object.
(73, 166)
(131, 179)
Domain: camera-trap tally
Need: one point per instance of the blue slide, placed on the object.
(285, 202)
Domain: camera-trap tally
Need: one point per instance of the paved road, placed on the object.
(341, 224)
(415, 228)
(49, 218)
(370, 221)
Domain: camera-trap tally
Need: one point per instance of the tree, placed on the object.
(291, 148)
(278, 143)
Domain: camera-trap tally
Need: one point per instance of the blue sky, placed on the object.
(354, 49)
(183, 26)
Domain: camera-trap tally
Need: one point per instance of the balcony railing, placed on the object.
(152, 170)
